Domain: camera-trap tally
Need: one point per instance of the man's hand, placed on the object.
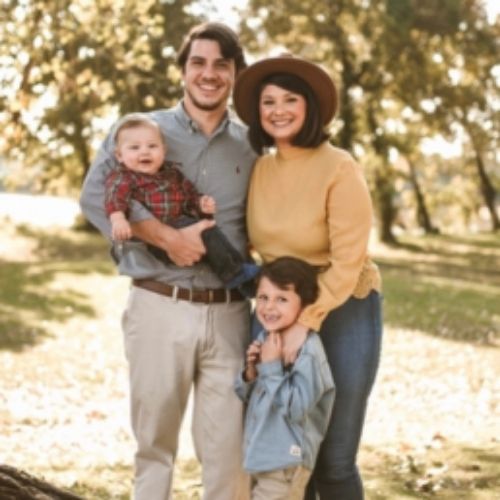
(187, 247)
(294, 337)
(183, 246)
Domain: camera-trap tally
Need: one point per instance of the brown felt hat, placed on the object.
(315, 76)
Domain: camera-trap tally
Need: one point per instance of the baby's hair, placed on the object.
(290, 271)
(133, 120)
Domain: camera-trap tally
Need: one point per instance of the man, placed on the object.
(180, 327)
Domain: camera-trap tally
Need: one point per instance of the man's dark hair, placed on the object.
(227, 39)
(290, 271)
(311, 134)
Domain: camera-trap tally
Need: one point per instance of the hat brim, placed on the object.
(315, 76)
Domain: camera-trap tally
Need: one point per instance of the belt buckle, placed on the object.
(175, 292)
(210, 295)
(228, 295)
(190, 295)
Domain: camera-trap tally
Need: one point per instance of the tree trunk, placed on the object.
(423, 217)
(488, 192)
(384, 185)
(18, 485)
(486, 186)
(385, 208)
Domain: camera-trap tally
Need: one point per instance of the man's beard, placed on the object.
(209, 106)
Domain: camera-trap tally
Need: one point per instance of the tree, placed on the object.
(456, 55)
(68, 67)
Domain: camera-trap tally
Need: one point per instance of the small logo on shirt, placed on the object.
(295, 451)
(237, 169)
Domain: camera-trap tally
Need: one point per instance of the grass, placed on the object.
(37, 289)
(431, 430)
(444, 286)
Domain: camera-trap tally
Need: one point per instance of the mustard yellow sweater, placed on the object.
(314, 204)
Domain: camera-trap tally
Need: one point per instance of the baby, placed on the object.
(144, 175)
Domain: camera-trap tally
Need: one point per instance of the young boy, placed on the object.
(289, 407)
(144, 175)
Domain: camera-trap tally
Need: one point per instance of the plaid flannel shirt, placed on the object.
(166, 194)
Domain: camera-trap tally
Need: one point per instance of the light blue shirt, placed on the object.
(288, 410)
(218, 165)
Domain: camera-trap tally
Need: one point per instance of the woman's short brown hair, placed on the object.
(312, 133)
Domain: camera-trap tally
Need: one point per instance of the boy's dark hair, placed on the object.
(286, 271)
(312, 133)
(227, 39)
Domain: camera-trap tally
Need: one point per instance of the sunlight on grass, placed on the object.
(65, 384)
(44, 211)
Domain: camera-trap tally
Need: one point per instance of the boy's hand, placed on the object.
(272, 347)
(252, 359)
(207, 204)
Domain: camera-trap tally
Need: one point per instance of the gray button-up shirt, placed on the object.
(218, 165)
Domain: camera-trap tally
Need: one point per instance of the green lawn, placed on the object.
(444, 286)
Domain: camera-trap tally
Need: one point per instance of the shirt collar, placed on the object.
(189, 124)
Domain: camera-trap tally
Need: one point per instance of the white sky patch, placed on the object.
(440, 146)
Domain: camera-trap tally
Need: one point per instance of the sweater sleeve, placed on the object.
(349, 220)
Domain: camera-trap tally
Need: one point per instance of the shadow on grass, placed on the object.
(67, 245)
(110, 483)
(445, 287)
(33, 293)
(115, 483)
(452, 472)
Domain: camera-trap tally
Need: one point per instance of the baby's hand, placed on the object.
(120, 228)
(272, 347)
(252, 359)
(207, 204)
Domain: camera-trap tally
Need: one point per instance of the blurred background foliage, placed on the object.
(418, 83)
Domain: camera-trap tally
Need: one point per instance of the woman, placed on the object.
(309, 200)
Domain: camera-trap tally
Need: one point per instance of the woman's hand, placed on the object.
(272, 347)
(293, 339)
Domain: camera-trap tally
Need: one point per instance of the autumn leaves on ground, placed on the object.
(432, 426)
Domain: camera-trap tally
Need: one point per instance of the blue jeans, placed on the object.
(351, 336)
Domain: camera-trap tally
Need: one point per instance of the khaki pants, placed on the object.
(171, 345)
(283, 484)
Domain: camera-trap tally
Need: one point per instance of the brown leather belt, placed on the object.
(203, 296)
